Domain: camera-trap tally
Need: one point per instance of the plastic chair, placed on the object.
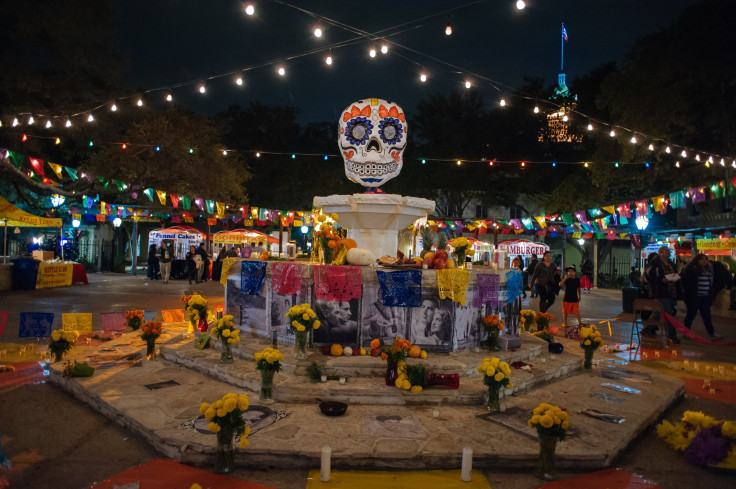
(655, 318)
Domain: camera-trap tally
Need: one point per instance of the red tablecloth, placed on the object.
(79, 274)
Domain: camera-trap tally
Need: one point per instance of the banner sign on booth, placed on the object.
(716, 244)
(52, 274)
(520, 247)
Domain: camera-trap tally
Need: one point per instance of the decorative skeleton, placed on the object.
(372, 140)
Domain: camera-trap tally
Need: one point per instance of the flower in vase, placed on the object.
(224, 329)
(550, 420)
(226, 413)
(590, 338)
(269, 359)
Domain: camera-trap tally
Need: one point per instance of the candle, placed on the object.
(435, 413)
(342, 380)
(323, 378)
(467, 466)
(324, 474)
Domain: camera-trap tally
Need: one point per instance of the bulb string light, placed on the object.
(382, 35)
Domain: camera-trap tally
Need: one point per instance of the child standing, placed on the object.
(571, 301)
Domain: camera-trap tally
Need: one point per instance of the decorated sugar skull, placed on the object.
(372, 141)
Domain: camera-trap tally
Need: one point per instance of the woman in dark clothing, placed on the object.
(525, 281)
(152, 271)
(586, 282)
(192, 265)
(544, 278)
(697, 281)
(222, 254)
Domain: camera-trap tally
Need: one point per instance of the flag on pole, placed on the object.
(564, 33)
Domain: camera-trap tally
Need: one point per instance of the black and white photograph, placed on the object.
(280, 305)
(431, 323)
(466, 323)
(380, 321)
(339, 321)
(253, 315)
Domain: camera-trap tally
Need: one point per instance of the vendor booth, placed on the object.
(480, 250)
(180, 237)
(717, 246)
(515, 247)
(239, 238)
(14, 217)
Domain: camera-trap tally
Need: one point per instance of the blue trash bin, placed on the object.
(25, 271)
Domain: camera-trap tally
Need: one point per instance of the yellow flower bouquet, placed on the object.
(198, 309)
(268, 361)
(460, 247)
(412, 378)
(551, 423)
(302, 319)
(224, 330)
(590, 341)
(225, 418)
(134, 319)
(61, 342)
(527, 317)
(495, 375)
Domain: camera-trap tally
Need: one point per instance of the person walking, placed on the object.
(192, 268)
(152, 271)
(586, 282)
(544, 279)
(525, 280)
(697, 282)
(530, 271)
(164, 257)
(204, 270)
(571, 299)
(662, 280)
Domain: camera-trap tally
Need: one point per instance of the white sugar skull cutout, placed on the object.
(372, 141)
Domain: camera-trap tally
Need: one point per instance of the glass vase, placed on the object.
(150, 348)
(588, 362)
(192, 324)
(546, 462)
(392, 372)
(493, 339)
(492, 400)
(300, 347)
(267, 385)
(226, 355)
(328, 255)
(58, 355)
(460, 257)
(224, 456)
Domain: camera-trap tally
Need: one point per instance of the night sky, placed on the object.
(169, 42)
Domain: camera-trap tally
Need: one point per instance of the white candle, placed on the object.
(324, 474)
(435, 413)
(342, 380)
(323, 378)
(467, 464)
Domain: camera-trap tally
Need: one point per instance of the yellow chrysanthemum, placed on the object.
(729, 429)
(316, 324)
(415, 389)
(218, 404)
(230, 405)
(244, 442)
(203, 408)
(546, 421)
(226, 333)
(210, 413)
(498, 377)
(212, 426)
(221, 413)
(565, 425)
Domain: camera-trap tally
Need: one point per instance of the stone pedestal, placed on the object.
(374, 220)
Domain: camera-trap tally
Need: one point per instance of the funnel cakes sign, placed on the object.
(372, 140)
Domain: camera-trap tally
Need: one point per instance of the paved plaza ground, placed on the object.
(53, 440)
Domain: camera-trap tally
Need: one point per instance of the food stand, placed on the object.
(717, 246)
(480, 250)
(179, 237)
(240, 237)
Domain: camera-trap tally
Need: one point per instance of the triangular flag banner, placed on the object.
(175, 219)
(611, 235)
(37, 166)
(248, 222)
(576, 234)
(245, 210)
(541, 221)
(210, 206)
(149, 193)
(624, 209)
(161, 196)
(581, 217)
(72, 173)
(16, 158)
(120, 185)
(515, 223)
(200, 203)
(174, 200)
(188, 219)
(220, 209)
(57, 169)
(697, 194)
(186, 202)
(659, 203)
(623, 221)
(567, 219)
(595, 212)
(600, 235)
(611, 209)
(212, 221)
(527, 221)
(642, 208)
(103, 208)
(136, 218)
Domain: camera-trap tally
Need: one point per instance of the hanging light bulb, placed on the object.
(114, 107)
(58, 141)
(317, 32)
(202, 88)
(536, 109)
(224, 152)
(697, 157)
(459, 162)
(684, 154)
(91, 118)
(523, 164)
(612, 133)
(15, 121)
(723, 163)
(249, 9)
(590, 126)
(565, 118)
(372, 53)
(328, 59)
(239, 81)
(282, 71)
(633, 139)
(24, 138)
(48, 124)
(468, 84)
(140, 102)
(616, 164)
(733, 164)
(707, 164)
(586, 164)
(423, 77)
(710, 159)
(68, 123)
(677, 164)
(667, 150)
(448, 29)
(258, 155)
(651, 147)
(124, 146)
(502, 103)
(31, 120)
(384, 48)
(169, 98)
(520, 4)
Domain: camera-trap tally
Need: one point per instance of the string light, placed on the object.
(590, 126)
(502, 103)
(31, 120)
(723, 163)
(91, 143)
(586, 164)
(384, 48)
(520, 4)
(536, 109)
(423, 77)
(169, 98)
(554, 164)
(91, 118)
(317, 32)
(616, 165)
(202, 88)
(468, 84)
(684, 154)
(15, 121)
(191, 150)
(124, 146)
(258, 155)
(424, 162)
(58, 141)
(523, 164)
(328, 59)
(667, 150)
(448, 29)
(565, 118)
(249, 9)
(633, 139)
(24, 138)
(651, 147)
(459, 162)
(612, 133)
(158, 148)
(68, 123)
(224, 152)
(282, 71)
(114, 107)
(677, 164)
(48, 124)
(490, 163)
(239, 81)
(293, 156)
(372, 53)
(697, 157)
(647, 164)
